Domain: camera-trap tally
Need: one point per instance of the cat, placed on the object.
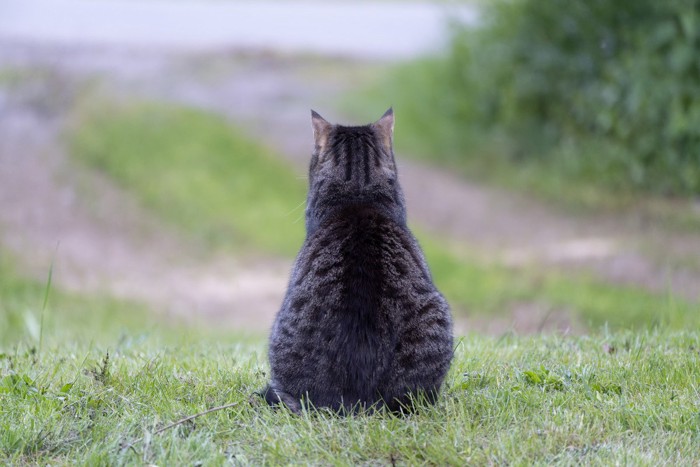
(362, 325)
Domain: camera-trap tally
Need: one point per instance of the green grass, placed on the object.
(193, 168)
(196, 171)
(614, 399)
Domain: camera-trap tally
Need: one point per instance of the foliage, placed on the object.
(595, 92)
(627, 75)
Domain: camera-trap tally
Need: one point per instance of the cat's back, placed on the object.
(363, 258)
(361, 291)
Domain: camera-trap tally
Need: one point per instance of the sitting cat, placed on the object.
(362, 324)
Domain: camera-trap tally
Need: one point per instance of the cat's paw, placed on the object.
(275, 397)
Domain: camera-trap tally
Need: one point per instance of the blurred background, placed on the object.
(153, 156)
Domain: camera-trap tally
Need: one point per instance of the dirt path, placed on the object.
(107, 242)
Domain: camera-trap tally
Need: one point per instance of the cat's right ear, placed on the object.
(322, 130)
(385, 127)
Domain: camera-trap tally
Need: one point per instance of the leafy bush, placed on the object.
(603, 90)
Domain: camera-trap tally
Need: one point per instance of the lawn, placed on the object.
(625, 398)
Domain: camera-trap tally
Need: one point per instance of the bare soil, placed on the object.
(102, 241)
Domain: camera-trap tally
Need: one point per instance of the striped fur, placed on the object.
(362, 323)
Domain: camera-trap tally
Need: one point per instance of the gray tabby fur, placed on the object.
(362, 324)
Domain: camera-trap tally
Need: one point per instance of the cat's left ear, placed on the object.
(385, 128)
(321, 129)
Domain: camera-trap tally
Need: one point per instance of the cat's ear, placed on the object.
(321, 129)
(385, 128)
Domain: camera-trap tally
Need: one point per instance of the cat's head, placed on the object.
(353, 165)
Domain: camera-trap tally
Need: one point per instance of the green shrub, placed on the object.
(601, 90)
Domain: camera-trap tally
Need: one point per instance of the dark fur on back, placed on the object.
(362, 323)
